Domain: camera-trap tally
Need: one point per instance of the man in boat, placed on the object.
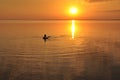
(45, 37)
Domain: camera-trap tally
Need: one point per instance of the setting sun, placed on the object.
(73, 10)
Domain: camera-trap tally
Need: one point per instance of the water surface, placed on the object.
(93, 54)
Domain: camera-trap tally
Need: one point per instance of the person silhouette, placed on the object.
(45, 37)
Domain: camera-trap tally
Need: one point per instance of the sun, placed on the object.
(73, 10)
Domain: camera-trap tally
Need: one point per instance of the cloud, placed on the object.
(97, 0)
(113, 11)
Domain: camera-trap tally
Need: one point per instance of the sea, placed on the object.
(75, 50)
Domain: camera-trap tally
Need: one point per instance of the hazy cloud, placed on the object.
(97, 0)
(113, 11)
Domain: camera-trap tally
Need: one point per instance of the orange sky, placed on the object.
(59, 9)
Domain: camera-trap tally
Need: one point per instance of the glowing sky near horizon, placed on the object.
(54, 9)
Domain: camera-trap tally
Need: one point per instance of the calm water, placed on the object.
(93, 54)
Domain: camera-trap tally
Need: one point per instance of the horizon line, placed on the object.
(59, 19)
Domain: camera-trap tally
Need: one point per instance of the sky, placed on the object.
(59, 9)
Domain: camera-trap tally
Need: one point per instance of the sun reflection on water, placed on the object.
(73, 29)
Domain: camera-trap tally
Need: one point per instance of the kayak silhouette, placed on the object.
(45, 37)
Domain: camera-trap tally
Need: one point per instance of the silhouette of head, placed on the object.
(44, 35)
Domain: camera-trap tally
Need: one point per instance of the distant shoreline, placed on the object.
(59, 19)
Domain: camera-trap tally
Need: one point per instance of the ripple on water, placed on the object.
(83, 58)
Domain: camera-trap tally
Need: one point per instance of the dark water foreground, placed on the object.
(84, 58)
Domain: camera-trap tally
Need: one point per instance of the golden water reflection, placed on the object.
(73, 29)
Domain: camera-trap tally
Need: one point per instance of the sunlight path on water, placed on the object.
(73, 29)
